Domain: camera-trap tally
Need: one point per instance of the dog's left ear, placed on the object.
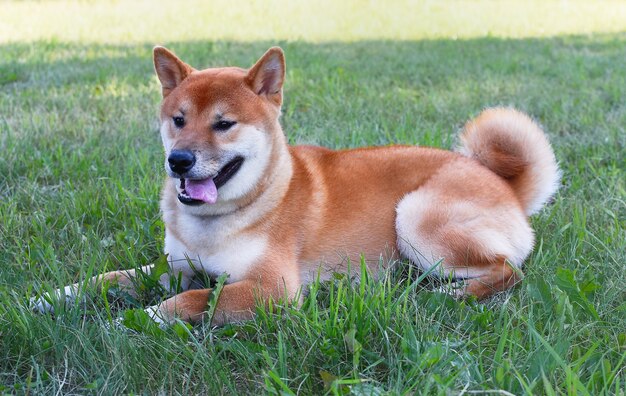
(267, 75)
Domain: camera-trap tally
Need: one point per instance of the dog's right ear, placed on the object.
(170, 70)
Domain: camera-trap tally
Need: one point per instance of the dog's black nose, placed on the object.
(181, 161)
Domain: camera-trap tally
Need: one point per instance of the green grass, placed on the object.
(81, 167)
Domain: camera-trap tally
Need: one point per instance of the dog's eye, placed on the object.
(223, 125)
(179, 121)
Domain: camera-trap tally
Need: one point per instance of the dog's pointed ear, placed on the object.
(267, 75)
(170, 70)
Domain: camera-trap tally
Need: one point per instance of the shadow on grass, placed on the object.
(52, 62)
(434, 79)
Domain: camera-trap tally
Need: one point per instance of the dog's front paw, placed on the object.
(158, 316)
(456, 289)
(115, 324)
(41, 305)
(44, 303)
(140, 321)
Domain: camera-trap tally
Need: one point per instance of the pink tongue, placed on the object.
(203, 190)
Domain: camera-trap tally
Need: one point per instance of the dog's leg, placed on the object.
(488, 278)
(124, 279)
(480, 241)
(497, 276)
(236, 302)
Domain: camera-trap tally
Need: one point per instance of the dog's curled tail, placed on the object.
(514, 147)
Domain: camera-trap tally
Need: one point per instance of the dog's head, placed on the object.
(219, 126)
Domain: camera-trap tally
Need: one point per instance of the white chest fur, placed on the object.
(213, 248)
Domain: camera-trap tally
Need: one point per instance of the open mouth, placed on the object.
(197, 192)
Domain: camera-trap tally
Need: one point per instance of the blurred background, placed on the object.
(312, 21)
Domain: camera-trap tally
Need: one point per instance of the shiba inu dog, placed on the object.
(239, 200)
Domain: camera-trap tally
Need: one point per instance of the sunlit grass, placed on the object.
(126, 22)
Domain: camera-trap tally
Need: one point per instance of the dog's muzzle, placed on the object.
(199, 191)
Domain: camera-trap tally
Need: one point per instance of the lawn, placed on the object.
(81, 170)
